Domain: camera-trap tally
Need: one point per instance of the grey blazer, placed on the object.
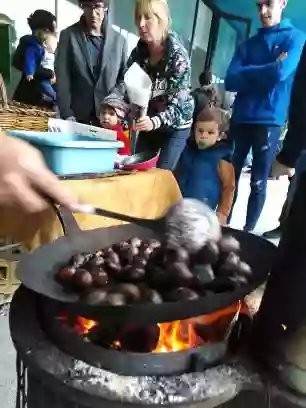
(78, 92)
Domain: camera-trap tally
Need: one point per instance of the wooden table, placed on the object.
(143, 194)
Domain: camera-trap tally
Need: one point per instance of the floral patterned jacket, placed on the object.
(171, 103)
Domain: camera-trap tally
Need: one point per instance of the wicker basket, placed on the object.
(18, 116)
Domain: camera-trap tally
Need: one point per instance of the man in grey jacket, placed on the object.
(91, 58)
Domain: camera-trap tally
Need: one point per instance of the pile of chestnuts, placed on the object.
(142, 271)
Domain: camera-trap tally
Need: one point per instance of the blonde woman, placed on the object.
(162, 55)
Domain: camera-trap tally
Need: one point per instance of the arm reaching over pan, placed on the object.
(25, 180)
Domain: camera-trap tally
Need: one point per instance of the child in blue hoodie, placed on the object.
(40, 51)
(262, 73)
(34, 57)
(204, 171)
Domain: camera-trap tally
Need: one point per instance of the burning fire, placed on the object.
(182, 335)
(178, 335)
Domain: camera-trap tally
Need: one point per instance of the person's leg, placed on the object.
(241, 137)
(249, 159)
(48, 90)
(173, 143)
(276, 232)
(300, 168)
(264, 145)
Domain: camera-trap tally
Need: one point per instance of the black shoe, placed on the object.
(273, 234)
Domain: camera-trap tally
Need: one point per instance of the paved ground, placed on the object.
(277, 191)
(7, 366)
(276, 194)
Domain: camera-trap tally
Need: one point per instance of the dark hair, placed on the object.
(42, 20)
(84, 2)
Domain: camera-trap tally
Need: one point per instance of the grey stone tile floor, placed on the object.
(276, 194)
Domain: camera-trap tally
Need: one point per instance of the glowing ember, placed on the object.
(81, 325)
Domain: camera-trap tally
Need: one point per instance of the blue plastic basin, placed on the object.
(71, 154)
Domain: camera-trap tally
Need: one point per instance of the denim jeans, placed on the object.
(170, 143)
(264, 141)
(48, 91)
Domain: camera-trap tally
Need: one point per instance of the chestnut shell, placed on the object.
(82, 280)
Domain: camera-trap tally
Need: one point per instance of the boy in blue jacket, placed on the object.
(262, 73)
(40, 51)
(204, 171)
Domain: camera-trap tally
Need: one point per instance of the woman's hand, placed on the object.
(25, 180)
(144, 124)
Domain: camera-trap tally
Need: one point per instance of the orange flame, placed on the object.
(181, 335)
(175, 336)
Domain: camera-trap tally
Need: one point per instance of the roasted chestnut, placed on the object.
(180, 294)
(132, 292)
(157, 257)
(99, 277)
(159, 278)
(238, 280)
(244, 269)
(116, 299)
(127, 254)
(175, 254)
(82, 279)
(78, 260)
(149, 295)
(135, 242)
(145, 251)
(208, 255)
(229, 244)
(131, 274)
(95, 297)
(117, 247)
(112, 257)
(205, 273)
(229, 266)
(65, 275)
(153, 243)
(114, 269)
(94, 262)
(139, 262)
(179, 274)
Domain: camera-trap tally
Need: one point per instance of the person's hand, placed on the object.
(30, 78)
(144, 124)
(279, 170)
(53, 81)
(222, 219)
(71, 118)
(25, 180)
(282, 56)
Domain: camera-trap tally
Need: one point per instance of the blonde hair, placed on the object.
(158, 8)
